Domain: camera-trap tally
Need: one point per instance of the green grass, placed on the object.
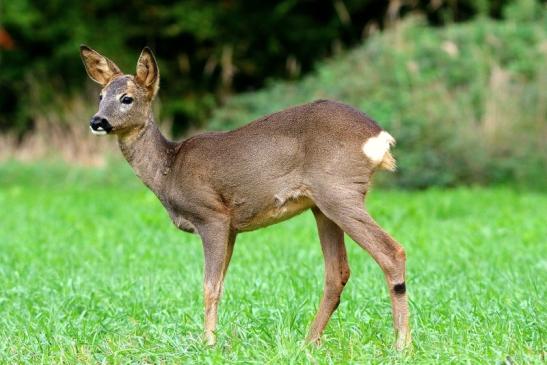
(92, 271)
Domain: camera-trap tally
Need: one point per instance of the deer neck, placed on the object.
(149, 153)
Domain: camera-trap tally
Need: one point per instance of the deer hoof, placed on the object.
(210, 338)
(314, 340)
(404, 341)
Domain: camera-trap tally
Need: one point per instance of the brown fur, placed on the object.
(220, 184)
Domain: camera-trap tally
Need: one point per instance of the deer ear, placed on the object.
(99, 68)
(148, 73)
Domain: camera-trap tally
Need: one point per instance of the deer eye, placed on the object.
(126, 99)
(100, 97)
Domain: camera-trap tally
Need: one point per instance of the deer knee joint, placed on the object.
(212, 292)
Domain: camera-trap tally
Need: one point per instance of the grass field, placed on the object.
(93, 271)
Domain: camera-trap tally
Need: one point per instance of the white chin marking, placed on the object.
(99, 132)
(376, 147)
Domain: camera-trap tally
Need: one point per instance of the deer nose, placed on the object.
(99, 125)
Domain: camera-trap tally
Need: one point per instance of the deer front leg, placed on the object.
(218, 241)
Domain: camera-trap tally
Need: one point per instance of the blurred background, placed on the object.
(459, 83)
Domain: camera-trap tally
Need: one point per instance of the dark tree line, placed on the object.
(206, 49)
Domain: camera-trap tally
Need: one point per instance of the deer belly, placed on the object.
(282, 208)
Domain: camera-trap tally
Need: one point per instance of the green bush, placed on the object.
(466, 102)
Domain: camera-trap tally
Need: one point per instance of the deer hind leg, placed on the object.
(218, 242)
(345, 208)
(336, 272)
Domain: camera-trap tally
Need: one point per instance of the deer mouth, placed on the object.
(99, 131)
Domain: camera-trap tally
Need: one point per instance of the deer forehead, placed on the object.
(119, 86)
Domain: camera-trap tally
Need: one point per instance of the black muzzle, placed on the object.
(99, 125)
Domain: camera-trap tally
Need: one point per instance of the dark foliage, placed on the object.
(207, 49)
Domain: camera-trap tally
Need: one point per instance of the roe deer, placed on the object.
(317, 156)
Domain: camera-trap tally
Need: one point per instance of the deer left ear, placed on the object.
(148, 73)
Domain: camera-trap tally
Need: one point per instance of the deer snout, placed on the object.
(99, 125)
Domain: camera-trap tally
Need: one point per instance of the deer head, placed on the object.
(125, 101)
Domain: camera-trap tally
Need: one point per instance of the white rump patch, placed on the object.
(375, 148)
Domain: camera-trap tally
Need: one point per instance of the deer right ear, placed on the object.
(99, 68)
